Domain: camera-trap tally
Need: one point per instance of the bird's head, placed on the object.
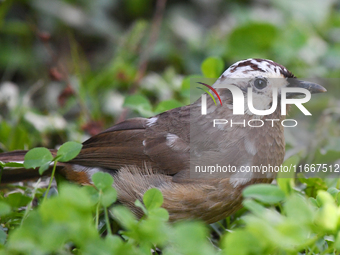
(262, 75)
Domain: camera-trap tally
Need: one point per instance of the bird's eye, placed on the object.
(260, 83)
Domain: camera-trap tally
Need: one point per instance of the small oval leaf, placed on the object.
(109, 196)
(37, 157)
(254, 207)
(159, 213)
(167, 105)
(68, 151)
(139, 103)
(153, 198)
(102, 180)
(212, 67)
(266, 193)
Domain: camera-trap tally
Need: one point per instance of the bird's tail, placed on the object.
(17, 174)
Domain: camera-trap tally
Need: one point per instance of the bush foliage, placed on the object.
(69, 69)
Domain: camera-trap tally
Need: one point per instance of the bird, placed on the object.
(160, 151)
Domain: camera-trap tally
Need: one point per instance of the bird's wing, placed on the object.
(167, 140)
(160, 142)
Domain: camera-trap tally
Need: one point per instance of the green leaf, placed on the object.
(313, 202)
(159, 213)
(323, 198)
(37, 157)
(140, 104)
(325, 156)
(327, 217)
(338, 199)
(3, 236)
(16, 200)
(141, 206)
(12, 164)
(124, 216)
(329, 153)
(14, 137)
(4, 208)
(337, 242)
(285, 180)
(190, 238)
(241, 241)
(265, 193)
(212, 67)
(290, 162)
(298, 209)
(109, 196)
(153, 198)
(44, 167)
(92, 193)
(167, 105)
(254, 207)
(102, 180)
(68, 151)
(60, 179)
(261, 35)
(333, 191)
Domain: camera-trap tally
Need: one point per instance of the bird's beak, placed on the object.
(313, 88)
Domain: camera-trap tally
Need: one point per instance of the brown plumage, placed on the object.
(157, 152)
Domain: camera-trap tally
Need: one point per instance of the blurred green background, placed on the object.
(70, 69)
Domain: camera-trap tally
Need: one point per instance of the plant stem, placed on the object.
(97, 209)
(108, 227)
(29, 206)
(51, 179)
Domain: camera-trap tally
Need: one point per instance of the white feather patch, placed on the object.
(171, 139)
(250, 146)
(88, 170)
(240, 178)
(150, 122)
